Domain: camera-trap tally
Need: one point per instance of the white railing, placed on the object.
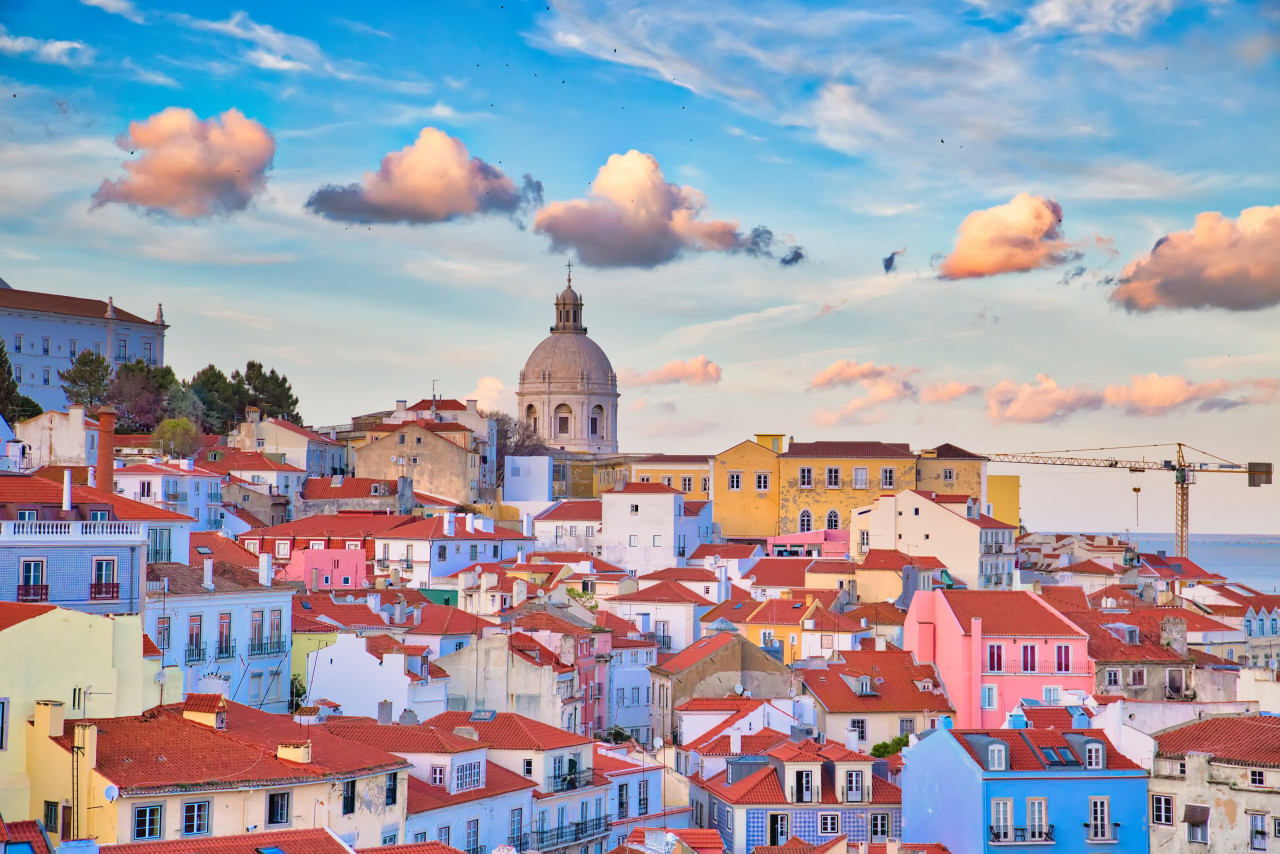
(45, 529)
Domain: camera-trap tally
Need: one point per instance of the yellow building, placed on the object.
(1004, 495)
(951, 470)
(689, 473)
(744, 488)
(94, 665)
(797, 628)
(308, 636)
(821, 483)
(207, 768)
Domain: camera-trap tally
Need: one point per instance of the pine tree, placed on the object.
(87, 380)
(14, 405)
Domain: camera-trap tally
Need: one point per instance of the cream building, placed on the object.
(568, 391)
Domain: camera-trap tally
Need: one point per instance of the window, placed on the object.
(467, 776)
(1001, 820)
(657, 541)
(665, 479)
(1257, 778)
(833, 520)
(1028, 658)
(995, 658)
(442, 833)
(1099, 818)
(829, 823)
(28, 515)
(528, 767)
(195, 818)
(45, 376)
(996, 757)
(887, 478)
(349, 797)
(1052, 695)
(906, 726)
(390, 838)
(686, 484)
(1257, 831)
(635, 696)
(1064, 658)
(1113, 678)
(706, 484)
(806, 477)
(806, 521)
(442, 553)
(853, 786)
(591, 532)
(859, 727)
(633, 540)
(1093, 756)
(473, 834)
(1138, 677)
(51, 816)
(1198, 831)
(859, 478)
(515, 822)
(146, 822)
(833, 477)
(277, 808)
(1037, 819)
(392, 790)
(762, 482)
(282, 548)
(948, 475)
(879, 826)
(989, 696)
(735, 480)
(1162, 809)
(162, 632)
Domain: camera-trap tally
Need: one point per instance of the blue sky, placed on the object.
(851, 131)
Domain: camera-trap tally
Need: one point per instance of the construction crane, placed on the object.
(1184, 474)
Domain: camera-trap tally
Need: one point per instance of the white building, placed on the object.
(361, 673)
(59, 438)
(572, 525)
(976, 548)
(667, 609)
(649, 526)
(527, 484)
(317, 455)
(224, 623)
(515, 673)
(176, 485)
(704, 721)
(636, 790)
(438, 546)
(256, 471)
(631, 686)
(44, 333)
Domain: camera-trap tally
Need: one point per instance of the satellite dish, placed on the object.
(738, 689)
(111, 792)
(161, 677)
(657, 742)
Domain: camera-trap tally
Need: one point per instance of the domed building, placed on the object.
(568, 391)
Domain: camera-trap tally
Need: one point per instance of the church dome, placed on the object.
(568, 359)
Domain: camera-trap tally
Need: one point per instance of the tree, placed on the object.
(888, 748)
(269, 391)
(516, 438)
(14, 405)
(184, 403)
(177, 436)
(140, 394)
(87, 380)
(220, 398)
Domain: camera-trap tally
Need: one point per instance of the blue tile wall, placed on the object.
(69, 572)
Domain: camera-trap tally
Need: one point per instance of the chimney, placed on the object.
(1173, 634)
(384, 712)
(880, 644)
(526, 525)
(106, 448)
(417, 616)
(520, 555)
(467, 732)
(891, 847)
(449, 523)
(294, 751)
(469, 522)
(66, 490)
(208, 573)
(187, 464)
(400, 610)
(401, 406)
(374, 601)
(265, 571)
(735, 742)
(471, 405)
(50, 715)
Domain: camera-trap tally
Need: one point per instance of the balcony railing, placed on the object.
(575, 780)
(51, 530)
(213, 498)
(159, 555)
(33, 593)
(643, 807)
(560, 836)
(475, 849)
(173, 496)
(1005, 833)
(267, 646)
(104, 590)
(195, 652)
(225, 649)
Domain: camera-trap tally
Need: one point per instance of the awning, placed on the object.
(1195, 814)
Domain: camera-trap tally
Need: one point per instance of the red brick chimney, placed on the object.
(105, 464)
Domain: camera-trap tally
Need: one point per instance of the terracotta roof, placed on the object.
(694, 508)
(1025, 747)
(894, 676)
(309, 435)
(674, 459)
(446, 620)
(635, 487)
(343, 525)
(850, 450)
(149, 647)
(12, 613)
(189, 580)
(727, 551)
(1049, 717)
(59, 304)
(735, 610)
(760, 787)
(432, 846)
(394, 738)
(233, 459)
(318, 840)
(893, 559)
(221, 549)
(1234, 739)
(751, 743)
(948, 451)
(1065, 597)
(509, 731)
(826, 597)
(877, 613)
(680, 573)
(533, 621)
(667, 592)
(701, 840)
(536, 558)
(442, 404)
(697, 651)
(497, 781)
(340, 614)
(615, 624)
(37, 490)
(779, 572)
(1007, 613)
(31, 832)
(1092, 567)
(832, 566)
(1105, 645)
(535, 653)
(432, 528)
(576, 510)
(324, 488)
(165, 469)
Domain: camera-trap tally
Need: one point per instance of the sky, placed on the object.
(1014, 226)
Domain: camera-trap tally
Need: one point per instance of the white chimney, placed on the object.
(469, 521)
(520, 556)
(735, 742)
(448, 524)
(93, 476)
(880, 645)
(265, 571)
(208, 573)
(66, 489)
(526, 525)
(187, 464)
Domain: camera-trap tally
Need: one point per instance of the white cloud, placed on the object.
(70, 53)
(1126, 17)
(123, 8)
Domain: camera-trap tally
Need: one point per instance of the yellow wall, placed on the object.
(655, 472)
(746, 512)
(967, 476)
(305, 643)
(818, 499)
(443, 468)
(1004, 495)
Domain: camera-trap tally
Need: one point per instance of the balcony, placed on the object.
(558, 837)
(999, 549)
(406, 563)
(173, 496)
(195, 652)
(475, 849)
(104, 590)
(225, 649)
(54, 532)
(159, 555)
(1008, 834)
(267, 646)
(33, 593)
(573, 780)
(643, 807)
(213, 498)
(663, 641)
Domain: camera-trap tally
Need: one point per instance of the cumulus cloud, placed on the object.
(947, 392)
(1127, 17)
(1012, 238)
(192, 168)
(1039, 402)
(1219, 263)
(433, 180)
(633, 217)
(847, 372)
(860, 410)
(49, 51)
(697, 371)
(123, 8)
(490, 393)
(1044, 401)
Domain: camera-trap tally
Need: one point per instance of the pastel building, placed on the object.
(993, 648)
(1024, 790)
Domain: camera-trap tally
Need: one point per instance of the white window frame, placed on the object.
(1165, 809)
(762, 481)
(860, 477)
(1099, 818)
(888, 477)
(828, 823)
(1093, 756)
(806, 477)
(1037, 819)
(735, 481)
(998, 758)
(995, 697)
(1001, 819)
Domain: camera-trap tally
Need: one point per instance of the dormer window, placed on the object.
(996, 757)
(1093, 756)
(864, 685)
(926, 685)
(1131, 636)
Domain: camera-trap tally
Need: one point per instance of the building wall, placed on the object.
(880, 726)
(1004, 493)
(69, 564)
(485, 675)
(191, 495)
(347, 674)
(681, 620)
(57, 438)
(327, 569)
(718, 675)
(303, 644)
(746, 512)
(492, 811)
(632, 714)
(653, 527)
(673, 475)
(968, 477)
(437, 465)
(819, 500)
(1226, 791)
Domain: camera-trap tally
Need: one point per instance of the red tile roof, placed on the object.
(1025, 746)
(309, 435)
(319, 840)
(424, 797)
(727, 551)
(535, 558)
(432, 528)
(877, 613)
(1234, 739)
(509, 731)
(779, 572)
(1008, 613)
(394, 738)
(701, 840)
(576, 510)
(324, 488)
(635, 487)
(233, 459)
(59, 304)
(165, 469)
(12, 613)
(666, 592)
(37, 490)
(850, 450)
(1048, 717)
(1092, 567)
(735, 610)
(446, 620)
(675, 459)
(442, 404)
(948, 451)
(894, 676)
(697, 651)
(530, 650)
(681, 573)
(893, 559)
(221, 549)
(752, 743)
(760, 787)
(343, 525)
(149, 647)
(1065, 597)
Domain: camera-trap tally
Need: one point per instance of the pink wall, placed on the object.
(820, 543)
(310, 566)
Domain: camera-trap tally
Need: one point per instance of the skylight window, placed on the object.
(204, 550)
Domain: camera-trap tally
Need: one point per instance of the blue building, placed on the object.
(1024, 790)
(800, 790)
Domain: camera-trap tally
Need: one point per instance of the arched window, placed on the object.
(531, 417)
(597, 421)
(833, 521)
(564, 416)
(806, 521)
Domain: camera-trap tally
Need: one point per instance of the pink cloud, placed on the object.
(1012, 238)
(697, 371)
(491, 393)
(847, 372)
(1039, 402)
(947, 392)
(1219, 263)
(433, 180)
(633, 217)
(1154, 394)
(192, 168)
(860, 410)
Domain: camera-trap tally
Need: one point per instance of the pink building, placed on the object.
(994, 648)
(327, 569)
(826, 542)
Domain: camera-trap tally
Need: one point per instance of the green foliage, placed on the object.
(888, 748)
(587, 600)
(220, 399)
(224, 400)
(87, 380)
(14, 405)
(269, 391)
(178, 437)
(140, 394)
